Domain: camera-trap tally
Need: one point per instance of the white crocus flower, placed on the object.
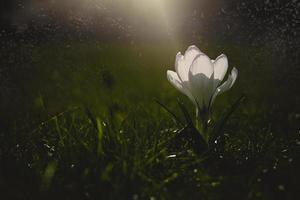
(199, 77)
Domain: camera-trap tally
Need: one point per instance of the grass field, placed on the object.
(84, 123)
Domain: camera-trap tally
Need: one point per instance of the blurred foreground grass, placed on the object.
(84, 125)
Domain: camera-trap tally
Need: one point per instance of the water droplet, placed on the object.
(281, 187)
(171, 156)
(87, 194)
(135, 197)
(214, 184)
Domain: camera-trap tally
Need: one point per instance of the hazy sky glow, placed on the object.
(172, 21)
(159, 18)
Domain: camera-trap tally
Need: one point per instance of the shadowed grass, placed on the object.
(88, 128)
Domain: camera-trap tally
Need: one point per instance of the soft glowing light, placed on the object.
(153, 17)
(139, 18)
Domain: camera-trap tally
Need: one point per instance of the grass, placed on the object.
(88, 127)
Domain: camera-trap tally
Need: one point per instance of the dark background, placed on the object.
(114, 54)
(267, 27)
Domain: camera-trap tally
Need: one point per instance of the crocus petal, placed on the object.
(190, 54)
(230, 81)
(227, 84)
(220, 67)
(201, 79)
(173, 78)
(183, 63)
(201, 65)
(181, 68)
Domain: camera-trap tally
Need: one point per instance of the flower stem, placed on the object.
(202, 123)
(197, 119)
